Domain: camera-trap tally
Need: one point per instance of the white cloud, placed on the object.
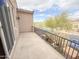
(34, 4)
(45, 4)
(48, 15)
(39, 14)
(74, 16)
(65, 4)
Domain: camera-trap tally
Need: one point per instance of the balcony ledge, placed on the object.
(31, 46)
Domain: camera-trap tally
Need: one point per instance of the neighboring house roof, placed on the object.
(25, 11)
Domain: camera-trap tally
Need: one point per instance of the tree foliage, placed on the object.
(50, 23)
(60, 21)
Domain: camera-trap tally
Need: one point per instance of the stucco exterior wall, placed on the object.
(25, 21)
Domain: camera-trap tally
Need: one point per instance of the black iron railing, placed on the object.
(68, 48)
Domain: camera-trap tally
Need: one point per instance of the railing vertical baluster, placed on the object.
(68, 50)
(55, 39)
(73, 51)
(63, 45)
(77, 55)
(59, 41)
(60, 44)
(66, 47)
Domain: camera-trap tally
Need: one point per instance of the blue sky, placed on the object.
(53, 11)
(49, 8)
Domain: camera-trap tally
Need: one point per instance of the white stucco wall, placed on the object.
(25, 21)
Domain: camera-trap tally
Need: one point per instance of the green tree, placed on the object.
(60, 21)
(51, 23)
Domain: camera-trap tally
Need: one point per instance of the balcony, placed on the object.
(32, 46)
(45, 45)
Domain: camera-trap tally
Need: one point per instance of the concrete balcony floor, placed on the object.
(31, 46)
